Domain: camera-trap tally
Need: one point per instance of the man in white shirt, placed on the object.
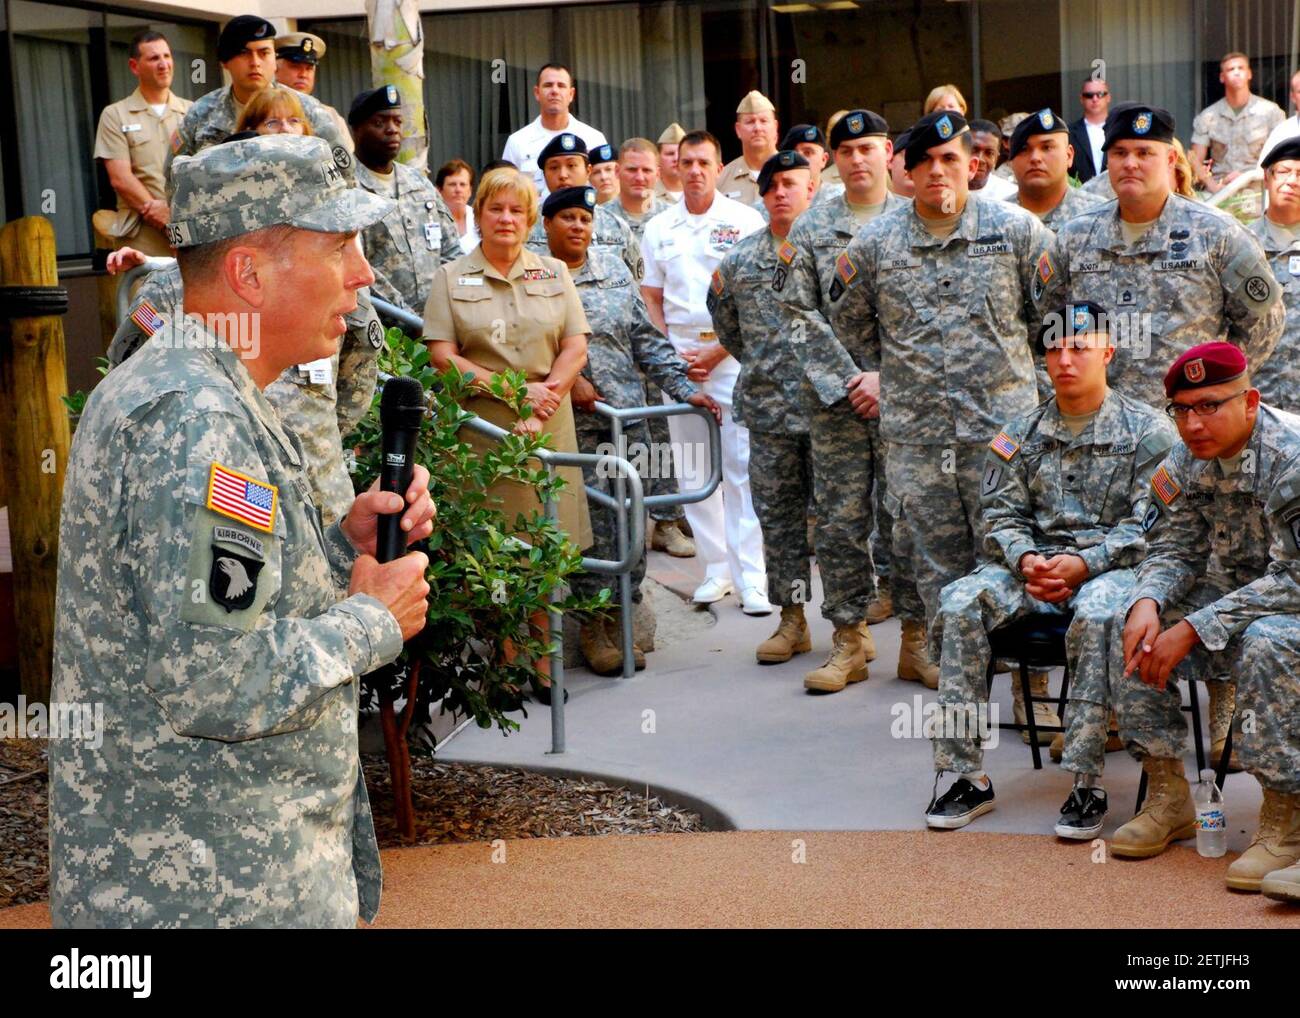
(1288, 128)
(1089, 132)
(554, 93)
(682, 247)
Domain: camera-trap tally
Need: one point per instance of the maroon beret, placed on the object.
(1205, 364)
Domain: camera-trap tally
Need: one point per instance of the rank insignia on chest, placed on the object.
(533, 275)
(716, 286)
(1165, 486)
(233, 579)
(375, 334)
(242, 498)
(1004, 446)
(787, 251)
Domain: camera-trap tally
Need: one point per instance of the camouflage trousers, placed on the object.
(1265, 662)
(990, 597)
(934, 491)
(780, 480)
(900, 582)
(592, 432)
(661, 482)
(844, 467)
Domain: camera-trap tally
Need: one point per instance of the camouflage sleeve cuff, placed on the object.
(373, 635)
(1145, 594)
(1096, 558)
(1208, 627)
(681, 388)
(341, 555)
(1015, 552)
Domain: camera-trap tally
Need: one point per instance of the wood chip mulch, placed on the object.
(453, 803)
(457, 802)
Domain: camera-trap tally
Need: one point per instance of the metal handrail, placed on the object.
(150, 264)
(1247, 179)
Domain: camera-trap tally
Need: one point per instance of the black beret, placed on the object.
(600, 154)
(1287, 148)
(1077, 318)
(858, 124)
(1137, 120)
(239, 32)
(803, 134)
(931, 130)
(1042, 122)
(367, 104)
(564, 144)
(569, 198)
(777, 164)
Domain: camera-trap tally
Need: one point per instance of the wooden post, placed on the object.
(34, 446)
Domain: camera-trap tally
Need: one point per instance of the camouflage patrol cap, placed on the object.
(271, 180)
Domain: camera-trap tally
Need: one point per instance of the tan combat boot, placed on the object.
(614, 630)
(1043, 712)
(847, 663)
(914, 662)
(868, 641)
(668, 537)
(1223, 701)
(1276, 844)
(603, 656)
(881, 608)
(791, 637)
(1167, 814)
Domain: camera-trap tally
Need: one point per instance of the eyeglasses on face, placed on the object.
(1210, 407)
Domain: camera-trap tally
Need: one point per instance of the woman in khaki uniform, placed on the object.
(501, 308)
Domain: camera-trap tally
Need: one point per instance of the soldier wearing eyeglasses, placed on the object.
(1219, 592)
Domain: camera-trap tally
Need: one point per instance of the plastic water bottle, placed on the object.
(1211, 821)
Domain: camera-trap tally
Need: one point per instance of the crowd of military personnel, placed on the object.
(952, 381)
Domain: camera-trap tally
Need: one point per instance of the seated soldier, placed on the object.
(1065, 495)
(1220, 589)
(621, 346)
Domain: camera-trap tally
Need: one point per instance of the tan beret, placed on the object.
(673, 134)
(755, 102)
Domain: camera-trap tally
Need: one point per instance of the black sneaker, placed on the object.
(1083, 814)
(958, 806)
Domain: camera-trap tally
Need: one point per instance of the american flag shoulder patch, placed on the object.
(146, 316)
(787, 251)
(845, 269)
(1165, 486)
(717, 283)
(242, 498)
(1004, 446)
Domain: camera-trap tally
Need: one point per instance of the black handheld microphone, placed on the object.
(401, 408)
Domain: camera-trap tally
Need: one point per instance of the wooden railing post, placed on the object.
(34, 435)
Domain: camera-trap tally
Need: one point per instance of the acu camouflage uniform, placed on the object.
(1224, 555)
(622, 345)
(756, 329)
(212, 119)
(1076, 200)
(948, 321)
(609, 233)
(1278, 378)
(662, 481)
(1048, 491)
(319, 412)
(412, 241)
(227, 790)
(848, 455)
(1194, 277)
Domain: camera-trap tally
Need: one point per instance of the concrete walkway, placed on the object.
(707, 722)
